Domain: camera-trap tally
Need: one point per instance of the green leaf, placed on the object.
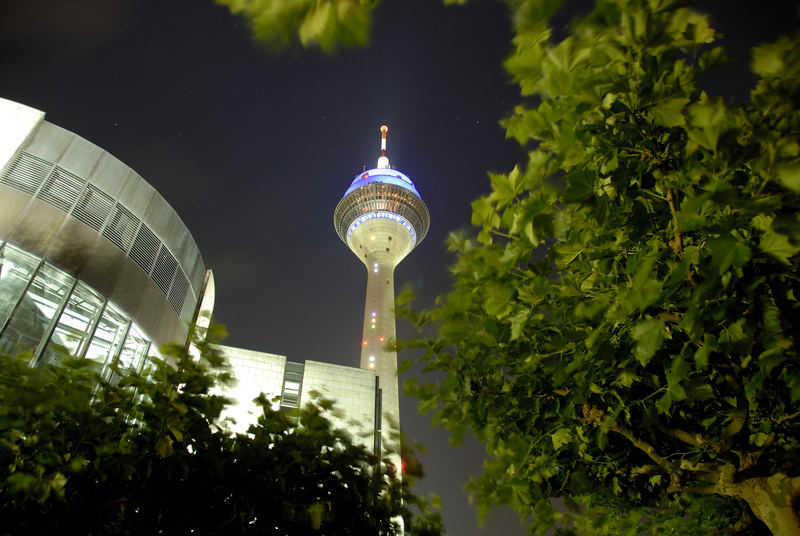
(580, 186)
(561, 437)
(626, 377)
(497, 303)
(649, 336)
(164, 446)
(767, 60)
(703, 352)
(518, 322)
(668, 113)
(789, 176)
(566, 253)
(315, 512)
(778, 245)
(727, 252)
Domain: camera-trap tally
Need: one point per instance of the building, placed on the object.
(381, 218)
(93, 261)
(353, 390)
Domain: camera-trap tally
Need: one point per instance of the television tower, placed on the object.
(381, 218)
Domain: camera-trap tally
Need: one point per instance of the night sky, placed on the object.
(254, 150)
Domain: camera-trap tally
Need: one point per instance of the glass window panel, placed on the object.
(108, 337)
(134, 350)
(16, 269)
(75, 325)
(34, 315)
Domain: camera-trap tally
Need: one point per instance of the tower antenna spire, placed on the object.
(383, 160)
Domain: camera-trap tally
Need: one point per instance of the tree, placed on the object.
(622, 335)
(143, 454)
(326, 24)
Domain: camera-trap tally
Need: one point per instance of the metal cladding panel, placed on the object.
(12, 203)
(73, 246)
(195, 269)
(131, 286)
(153, 311)
(104, 267)
(111, 175)
(50, 141)
(178, 335)
(170, 328)
(37, 227)
(163, 220)
(137, 195)
(81, 157)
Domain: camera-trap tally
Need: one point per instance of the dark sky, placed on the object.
(254, 151)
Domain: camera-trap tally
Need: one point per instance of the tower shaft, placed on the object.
(377, 350)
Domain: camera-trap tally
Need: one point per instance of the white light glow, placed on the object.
(386, 215)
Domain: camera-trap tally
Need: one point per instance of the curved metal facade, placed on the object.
(93, 223)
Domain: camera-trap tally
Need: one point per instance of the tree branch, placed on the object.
(677, 243)
(700, 467)
(677, 487)
(742, 409)
(641, 470)
(695, 440)
(596, 416)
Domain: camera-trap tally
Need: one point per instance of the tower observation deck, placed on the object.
(381, 218)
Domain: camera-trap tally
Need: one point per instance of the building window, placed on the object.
(47, 312)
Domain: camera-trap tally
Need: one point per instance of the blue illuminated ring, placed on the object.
(386, 215)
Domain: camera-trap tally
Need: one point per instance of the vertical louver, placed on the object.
(177, 294)
(164, 270)
(145, 248)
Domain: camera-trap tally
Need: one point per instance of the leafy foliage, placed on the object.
(314, 23)
(623, 334)
(143, 454)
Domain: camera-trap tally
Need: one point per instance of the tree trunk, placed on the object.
(771, 501)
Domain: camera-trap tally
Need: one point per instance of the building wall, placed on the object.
(353, 392)
(93, 261)
(255, 372)
(351, 389)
